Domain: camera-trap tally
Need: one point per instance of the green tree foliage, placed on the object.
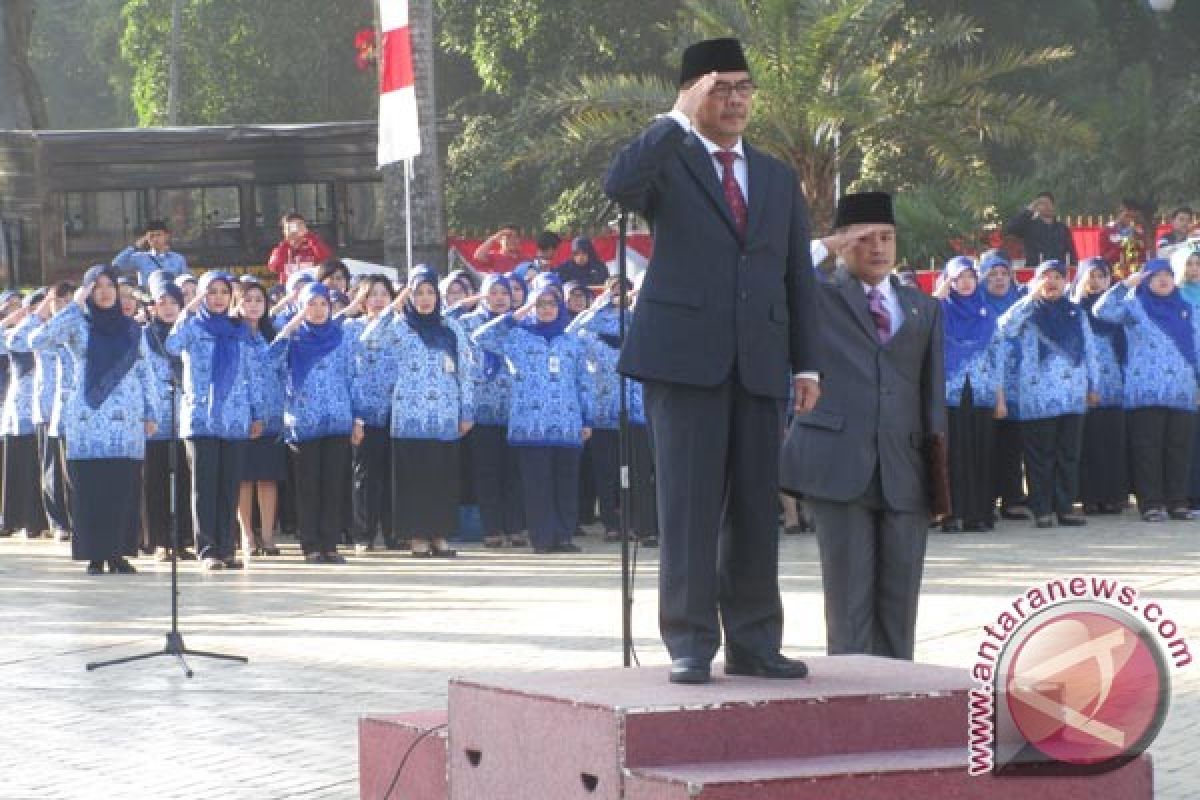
(77, 58)
(857, 87)
(266, 61)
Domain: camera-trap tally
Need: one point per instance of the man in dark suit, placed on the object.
(723, 331)
(860, 456)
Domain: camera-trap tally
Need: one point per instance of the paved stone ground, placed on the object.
(383, 633)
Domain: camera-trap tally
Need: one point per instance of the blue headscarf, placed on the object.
(228, 335)
(1060, 321)
(113, 342)
(159, 330)
(310, 342)
(1114, 332)
(492, 363)
(1172, 314)
(430, 327)
(998, 303)
(1179, 259)
(970, 323)
(548, 284)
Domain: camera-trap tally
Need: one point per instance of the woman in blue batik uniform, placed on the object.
(974, 359)
(1058, 376)
(433, 407)
(1103, 473)
(371, 459)
(22, 497)
(1160, 385)
(106, 420)
(156, 488)
(497, 474)
(318, 418)
(220, 411)
(551, 413)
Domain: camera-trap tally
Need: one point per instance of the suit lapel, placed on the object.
(699, 163)
(852, 294)
(911, 310)
(758, 177)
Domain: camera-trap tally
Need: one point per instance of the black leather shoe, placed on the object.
(774, 665)
(95, 568)
(1071, 520)
(690, 670)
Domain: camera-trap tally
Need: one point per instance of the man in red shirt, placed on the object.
(508, 256)
(300, 248)
(1123, 242)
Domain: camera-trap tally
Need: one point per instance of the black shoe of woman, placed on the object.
(95, 568)
(121, 566)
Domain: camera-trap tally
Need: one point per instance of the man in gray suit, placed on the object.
(859, 456)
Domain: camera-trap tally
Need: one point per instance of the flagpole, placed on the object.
(408, 243)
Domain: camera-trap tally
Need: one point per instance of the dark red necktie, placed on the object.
(733, 191)
(879, 313)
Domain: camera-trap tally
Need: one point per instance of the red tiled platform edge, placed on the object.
(858, 727)
(383, 741)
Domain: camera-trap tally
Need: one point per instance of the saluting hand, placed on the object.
(194, 305)
(689, 100)
(525, 310)
(81, 296)
(401, 298)
(45, 309)
(292, 324)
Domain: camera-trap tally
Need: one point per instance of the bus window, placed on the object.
(208, 217)
(314, 201)
(364, 211)
(102, 222)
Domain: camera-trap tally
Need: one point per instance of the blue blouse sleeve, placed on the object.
(494, 335)
(464, 374)
(181, 335)
(1012, 322)
(1114, 305)
(62, 330)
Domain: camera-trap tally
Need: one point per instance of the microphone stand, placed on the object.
(174, 645)
(624, 449)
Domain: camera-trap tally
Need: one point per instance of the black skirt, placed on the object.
(104, 507)
(265, 460)
(425, 488)
(971, 438)
(1103, 467)
(22, 492)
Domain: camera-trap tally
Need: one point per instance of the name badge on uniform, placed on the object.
(593, 367)
(448, 364)
(554, 365)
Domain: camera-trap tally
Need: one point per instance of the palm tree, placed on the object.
(845, 84)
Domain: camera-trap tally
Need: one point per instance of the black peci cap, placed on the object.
(712, 55)
(869, 208)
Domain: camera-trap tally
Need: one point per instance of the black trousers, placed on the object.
(68, 482)
(54, 495)
(606, 475)
(1052, 448)
(643, 503)
(550, 485)
(372, 502)
(321, 467)
(22, 492)
(156, 495)
(1103, 467)
(216, 475)
(716, 459)
(497, 481)
(1160, 444)
(1008, 455)
(971, 440)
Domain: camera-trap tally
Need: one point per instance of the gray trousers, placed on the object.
(871, 564)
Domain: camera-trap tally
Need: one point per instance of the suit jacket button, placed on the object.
(745, 295)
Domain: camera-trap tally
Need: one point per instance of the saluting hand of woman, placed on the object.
(194, 305)
(525, 310)
(45, 309)
(401, 298)
(81, 296)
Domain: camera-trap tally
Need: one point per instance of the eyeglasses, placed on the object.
(722, 90)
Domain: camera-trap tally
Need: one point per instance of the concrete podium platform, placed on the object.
(858, 727)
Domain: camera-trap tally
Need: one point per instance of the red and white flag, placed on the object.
(399, 134)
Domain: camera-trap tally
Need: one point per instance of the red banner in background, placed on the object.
(606, 248)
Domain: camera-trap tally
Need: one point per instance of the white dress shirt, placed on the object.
(890, 302)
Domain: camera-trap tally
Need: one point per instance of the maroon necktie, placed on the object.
(733, 192)
(879, 313)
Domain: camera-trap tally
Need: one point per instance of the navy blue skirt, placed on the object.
(266, 460)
